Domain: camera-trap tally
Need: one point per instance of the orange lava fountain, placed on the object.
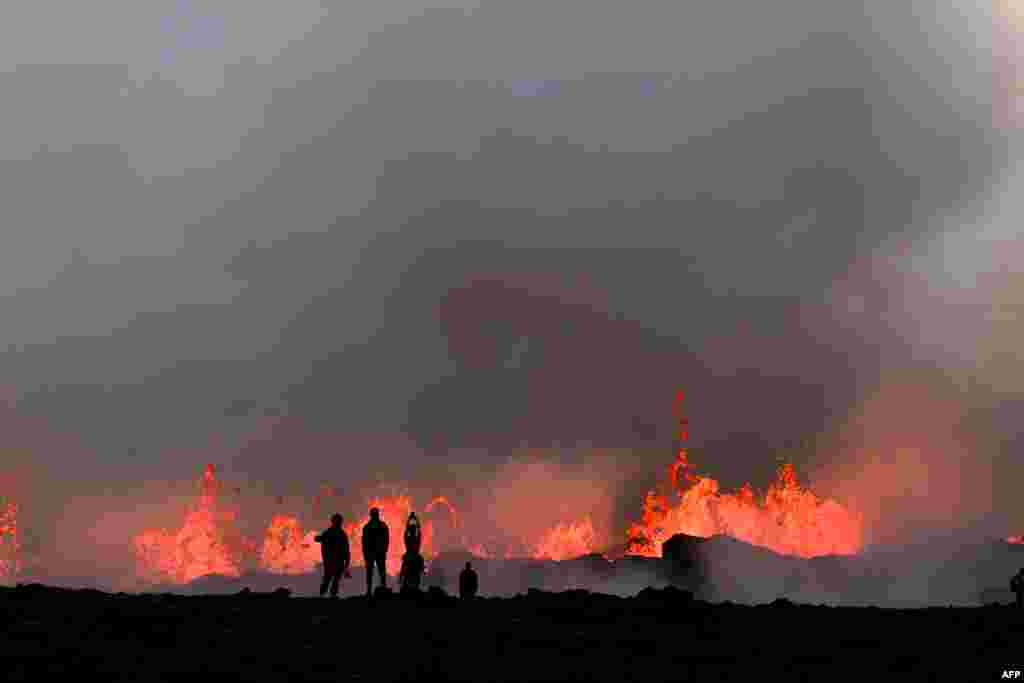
(566, 541)
(205, 544)
(1015, 539)
(788, 519)
(286, 549)
(442, 500)
(10, 548)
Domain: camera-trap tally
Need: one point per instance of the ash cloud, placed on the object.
(389, 243)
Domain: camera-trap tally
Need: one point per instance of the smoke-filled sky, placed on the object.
(401, 241)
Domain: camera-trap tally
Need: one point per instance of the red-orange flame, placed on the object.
(286, 549)
(1015, 539)
(566, 541)
(394, 511)
(10, 546)
(443, 500)
(789, 519)
(205, 544)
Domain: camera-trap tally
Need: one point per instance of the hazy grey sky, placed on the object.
(465, 226)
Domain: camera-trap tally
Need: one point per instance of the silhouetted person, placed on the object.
(1017, 586)
(468, 583)
(413, 534)
(335, 554)
(375, 549)
(412, 571)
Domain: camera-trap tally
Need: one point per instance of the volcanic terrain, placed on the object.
(657, 635)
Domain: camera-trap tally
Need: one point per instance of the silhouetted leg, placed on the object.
(334, 584)
(381, 569)
(369, 575)
(326, 580)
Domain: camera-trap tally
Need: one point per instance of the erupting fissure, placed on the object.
(286, 549)
(788, 519)
(206, 543)
(10, 547)
(566, 541)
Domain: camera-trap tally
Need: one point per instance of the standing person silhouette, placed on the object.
(468, 583)
(375, 549)
(413, 534)
(334, 551)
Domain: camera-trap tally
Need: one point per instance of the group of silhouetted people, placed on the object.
(376, 538)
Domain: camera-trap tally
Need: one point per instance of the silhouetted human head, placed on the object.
(336, 519)
(412, 517)
(468, 566)
(374, 513)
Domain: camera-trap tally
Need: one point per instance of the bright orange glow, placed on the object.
(489, 552)
(442, 500)
(205, 544)
(788, 519)
(286, 549)
(10, 548)
(566, 541)
(394, 511)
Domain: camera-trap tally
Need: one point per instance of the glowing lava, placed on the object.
(394, 511)
(286, 549)
(205, 544)
(1015, 539)
(442, 500)
(10, 548)
(566, 541)
(788, 519)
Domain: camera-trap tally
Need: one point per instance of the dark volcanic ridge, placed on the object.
(660, 634)
(716, 569)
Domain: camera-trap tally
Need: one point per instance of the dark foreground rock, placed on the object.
(540, 636)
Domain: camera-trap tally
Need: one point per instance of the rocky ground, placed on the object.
(659, 635)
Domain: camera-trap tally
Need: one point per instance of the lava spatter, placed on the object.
(788, 519)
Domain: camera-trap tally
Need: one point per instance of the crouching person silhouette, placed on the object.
(335, 554)
(468, 583)
(1017, 586)
(413, 567)
(375, 549)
